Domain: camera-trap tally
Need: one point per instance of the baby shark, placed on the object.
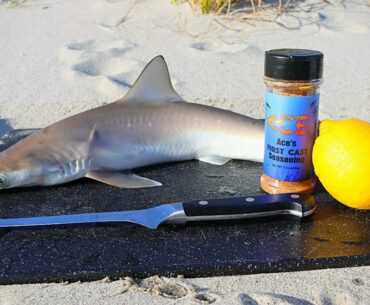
(151, 124)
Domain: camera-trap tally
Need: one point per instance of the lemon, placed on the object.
(341, 159)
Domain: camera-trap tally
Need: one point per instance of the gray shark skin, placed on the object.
(151, 124)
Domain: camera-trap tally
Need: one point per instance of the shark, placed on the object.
(151, 124)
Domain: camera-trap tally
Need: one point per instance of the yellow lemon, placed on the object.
(341, 159)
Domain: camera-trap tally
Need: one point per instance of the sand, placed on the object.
(334, 287)
(61, 57)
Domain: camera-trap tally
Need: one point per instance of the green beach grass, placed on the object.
(225, 6)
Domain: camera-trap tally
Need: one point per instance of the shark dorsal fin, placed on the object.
(153, 84)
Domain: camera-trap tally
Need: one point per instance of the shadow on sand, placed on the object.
(5, 127)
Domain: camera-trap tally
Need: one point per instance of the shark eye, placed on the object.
(3, 181)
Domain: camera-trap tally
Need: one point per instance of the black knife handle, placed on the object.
(293, 203)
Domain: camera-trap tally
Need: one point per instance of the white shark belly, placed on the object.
(129, 156)
(124, 154)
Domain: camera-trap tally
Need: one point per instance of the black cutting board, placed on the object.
(335, 236)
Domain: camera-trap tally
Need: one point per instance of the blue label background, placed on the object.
(280, 105)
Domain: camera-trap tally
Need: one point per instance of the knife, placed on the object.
(299, 205)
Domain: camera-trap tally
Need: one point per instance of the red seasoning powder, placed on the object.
(292, 78)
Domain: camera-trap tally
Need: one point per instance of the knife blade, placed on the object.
(299, 205)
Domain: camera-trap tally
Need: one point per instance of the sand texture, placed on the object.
(322, 287)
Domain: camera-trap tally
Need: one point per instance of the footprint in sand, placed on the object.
(340, 23)
(84, 45)
(109, 65)
(104, 63)
(218, 46)
(167, 288)
(271, 299)
(198, 48)
(114, 12)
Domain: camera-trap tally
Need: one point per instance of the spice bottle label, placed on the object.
(290, 131)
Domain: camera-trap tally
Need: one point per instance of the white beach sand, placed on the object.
(326, 287)
(59, 57)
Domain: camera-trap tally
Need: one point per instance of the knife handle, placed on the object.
(300, 205)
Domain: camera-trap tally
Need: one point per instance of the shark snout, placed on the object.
(3, 181)
(29, 177)
(19, 178)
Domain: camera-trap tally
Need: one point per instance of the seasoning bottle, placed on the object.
(292, 78)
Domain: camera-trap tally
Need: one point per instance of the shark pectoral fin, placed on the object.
(216, 160)
(122, 180)
(153, 85)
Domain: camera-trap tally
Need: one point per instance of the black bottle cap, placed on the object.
(293, 64)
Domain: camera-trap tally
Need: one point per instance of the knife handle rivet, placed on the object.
(203, 202)
(295, 196)
(250, 199)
